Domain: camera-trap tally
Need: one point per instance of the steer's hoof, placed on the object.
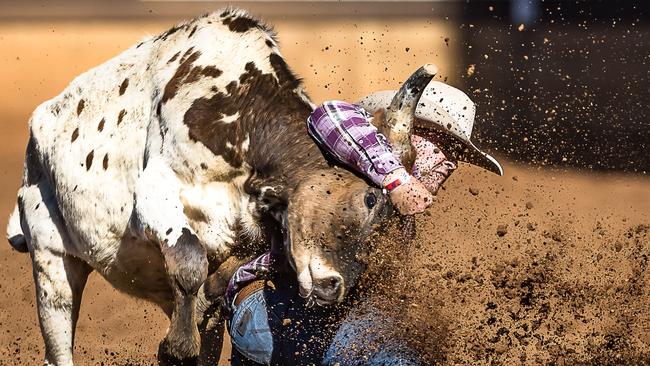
(166, 358)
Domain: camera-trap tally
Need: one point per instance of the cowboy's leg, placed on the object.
(365, 338)
(274, 326)
(250, 332)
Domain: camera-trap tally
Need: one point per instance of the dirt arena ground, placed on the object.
(539, 266)
(536, 267)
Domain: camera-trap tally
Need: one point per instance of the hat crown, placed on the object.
(448, 110)
(449, 107)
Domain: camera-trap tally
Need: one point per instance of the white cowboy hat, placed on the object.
(448, 110)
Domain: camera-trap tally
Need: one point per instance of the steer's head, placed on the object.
(332, 212)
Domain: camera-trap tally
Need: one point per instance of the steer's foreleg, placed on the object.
(159, 216)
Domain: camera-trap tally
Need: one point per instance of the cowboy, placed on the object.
(274, 325)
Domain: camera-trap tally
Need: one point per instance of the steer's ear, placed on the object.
(269, 196)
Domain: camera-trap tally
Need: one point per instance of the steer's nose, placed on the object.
(328, 288)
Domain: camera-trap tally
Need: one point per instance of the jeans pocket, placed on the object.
(250, 331)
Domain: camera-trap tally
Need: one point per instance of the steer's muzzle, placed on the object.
(328, 290)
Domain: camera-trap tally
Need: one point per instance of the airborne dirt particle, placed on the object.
(471, 69)
(618, 246)
(502, 230)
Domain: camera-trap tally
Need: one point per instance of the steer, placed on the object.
(184, 150)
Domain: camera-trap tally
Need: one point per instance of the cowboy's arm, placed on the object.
(344, 131)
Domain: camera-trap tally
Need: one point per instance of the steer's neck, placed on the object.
(281, 151)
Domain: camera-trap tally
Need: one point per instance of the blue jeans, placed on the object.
(281, 329)
(249, 329)
(274, 327)
(365, 339)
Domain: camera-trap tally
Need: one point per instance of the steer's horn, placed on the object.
(400, 113)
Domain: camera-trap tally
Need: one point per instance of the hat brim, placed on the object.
(458, 145)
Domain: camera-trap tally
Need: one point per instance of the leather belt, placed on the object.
(248, 290)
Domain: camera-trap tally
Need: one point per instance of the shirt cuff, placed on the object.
(381, 167)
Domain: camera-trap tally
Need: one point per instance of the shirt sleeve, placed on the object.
(344, 130)
(247, 273)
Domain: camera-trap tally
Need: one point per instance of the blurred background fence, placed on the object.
(556, 82)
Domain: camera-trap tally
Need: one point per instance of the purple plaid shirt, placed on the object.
(343, 130)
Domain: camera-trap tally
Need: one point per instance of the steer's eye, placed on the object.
(371, 200)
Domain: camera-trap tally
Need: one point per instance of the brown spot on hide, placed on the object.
(181, 73)
(174, 57)
(211, 71)
(250, 72)
(198, 71)
(258, 99)
(187, 53)
(80, 106)
(194, 214)
(193, 76)
(225, 177)
(120, 117)
(105, 162)
(75, 134)
(56, 109)
(125, 84)
(169, 231)
(192, 32)
(100, 126)
(240, 24)
(89, 159)
(168, 33)
(231, 87)
(186, 74)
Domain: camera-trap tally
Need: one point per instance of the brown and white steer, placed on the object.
(180, 152)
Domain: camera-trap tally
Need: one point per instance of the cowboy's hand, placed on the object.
(432, 166)
(411, 197)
